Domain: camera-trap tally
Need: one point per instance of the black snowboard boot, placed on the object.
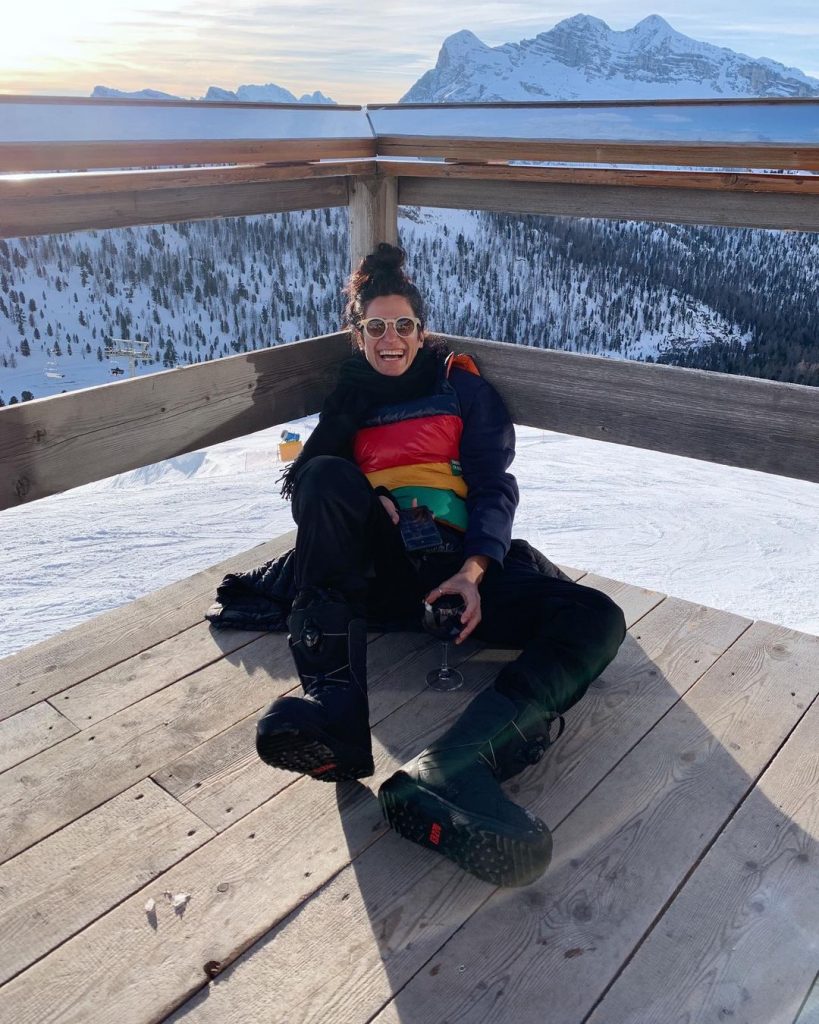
(449, 798)
(325, 733)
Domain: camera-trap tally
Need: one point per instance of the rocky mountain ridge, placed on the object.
(581, 58)
(270, 93)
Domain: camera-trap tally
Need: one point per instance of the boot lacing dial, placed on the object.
(534, 748)
(310, 637)
(327, 675)
(312, 634)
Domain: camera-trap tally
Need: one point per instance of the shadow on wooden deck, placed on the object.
(682, 796)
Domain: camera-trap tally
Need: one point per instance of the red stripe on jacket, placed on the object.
(408, 442)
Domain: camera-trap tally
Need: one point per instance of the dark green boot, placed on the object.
(448, 798)
(325, 733)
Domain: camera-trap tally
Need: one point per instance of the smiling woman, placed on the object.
(404, 505)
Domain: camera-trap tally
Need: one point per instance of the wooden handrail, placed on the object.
(52, 444)
(670, 202)
(142, 134)
(61, 442)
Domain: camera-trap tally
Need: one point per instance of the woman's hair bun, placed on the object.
(386, 259)
(381, 273)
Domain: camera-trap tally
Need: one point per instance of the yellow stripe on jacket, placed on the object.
(424, 474)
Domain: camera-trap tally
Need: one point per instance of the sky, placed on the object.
(355, 51)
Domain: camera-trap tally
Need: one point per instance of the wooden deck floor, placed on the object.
(144, 848)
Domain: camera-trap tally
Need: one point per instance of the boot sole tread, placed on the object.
(425, 818)
(309, 756)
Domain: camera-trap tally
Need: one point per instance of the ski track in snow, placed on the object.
(729, 538)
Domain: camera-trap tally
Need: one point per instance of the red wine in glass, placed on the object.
(443, 620)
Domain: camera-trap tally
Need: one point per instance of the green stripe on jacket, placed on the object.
(444, 505)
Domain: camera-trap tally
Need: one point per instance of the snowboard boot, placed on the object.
(448, 798)
(325, 733)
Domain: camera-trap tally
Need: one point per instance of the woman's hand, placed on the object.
(465, 583)
(390, 508)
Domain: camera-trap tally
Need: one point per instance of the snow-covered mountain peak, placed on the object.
(270, 93)
(582, 23)
(654, 25)
(105, 92)
(582, 58)
(462, 42)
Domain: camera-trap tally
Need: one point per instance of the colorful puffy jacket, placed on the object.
(450, 450)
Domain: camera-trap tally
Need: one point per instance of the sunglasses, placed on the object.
(375, 327)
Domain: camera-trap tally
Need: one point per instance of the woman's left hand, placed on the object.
(465, 583)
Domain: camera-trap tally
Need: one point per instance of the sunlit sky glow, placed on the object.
(352, 51)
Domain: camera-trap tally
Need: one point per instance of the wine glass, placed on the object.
(443, 620)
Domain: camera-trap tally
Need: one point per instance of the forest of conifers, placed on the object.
(737, 301)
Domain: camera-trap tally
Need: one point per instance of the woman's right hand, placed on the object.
(390, 508)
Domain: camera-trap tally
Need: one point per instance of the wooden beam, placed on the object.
(108, 182)
(797, 157)
(373, 214)
(70, 156)
(728, 104)
(710, 181)
(44, 216)
(56, 443)
(623, 202)
(736, 421)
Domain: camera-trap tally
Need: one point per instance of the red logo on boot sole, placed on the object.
(324, 768)
(435, 833)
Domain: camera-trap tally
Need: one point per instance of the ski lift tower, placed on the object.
(131, 350)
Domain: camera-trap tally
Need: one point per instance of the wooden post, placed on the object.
(373, 214)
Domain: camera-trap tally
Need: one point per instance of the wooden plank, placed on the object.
(709, 181)
(122, 971)
(747, 918)
(111, 638)
(67, 440)
(28, 157)
(55, 889)
(44, 216)
(373, 214)
(31, 731)
(609, 151)
(675, 205)
(623, 852)
(63, 783)
(635, 602)
(124, 684)
(737, 102)
(697, 413)
(110, 182)
(223, 779)
(391, 910)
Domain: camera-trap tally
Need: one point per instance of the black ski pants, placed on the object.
(566, 633)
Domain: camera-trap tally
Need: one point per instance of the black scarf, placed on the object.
(360, 388)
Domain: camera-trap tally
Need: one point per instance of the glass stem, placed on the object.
(445, 659)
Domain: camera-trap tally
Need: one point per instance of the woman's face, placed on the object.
(390, 354)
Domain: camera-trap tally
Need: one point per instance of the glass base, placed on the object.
(445, 679)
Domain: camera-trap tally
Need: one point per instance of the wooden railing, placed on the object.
(350, 165)
(56, 443)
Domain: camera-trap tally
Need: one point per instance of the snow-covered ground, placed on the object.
(733, 539)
